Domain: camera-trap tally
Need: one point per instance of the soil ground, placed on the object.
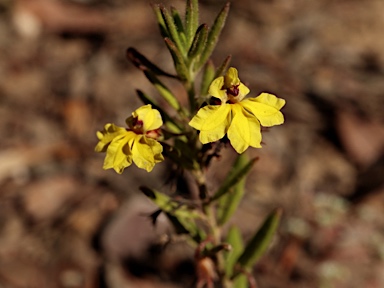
(65, 222)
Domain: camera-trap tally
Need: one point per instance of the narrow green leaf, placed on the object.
(174, 34)
(148, 100)
(229, 202)
(179, 214)
(179, 25)
(208, 76)
(223, 67)
(141, 62)
(213, 35)
(177, 224)
(259, 243)
(178, 59)
(168, 120)
(163, 90)
(235, 175)
(235, 239)
(240, 281)
(160, 20)
(172, 127)
(198, 41)
(191, 19)
(162, 200)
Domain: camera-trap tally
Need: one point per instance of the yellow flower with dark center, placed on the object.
(241, 119)
(137, 143)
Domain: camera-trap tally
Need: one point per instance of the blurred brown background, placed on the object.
(65, 222)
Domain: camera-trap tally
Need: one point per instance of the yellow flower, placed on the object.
(240, 119)
(137, 143)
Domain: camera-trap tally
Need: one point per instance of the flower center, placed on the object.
(232, 93)
(234, 90)
(137, 126)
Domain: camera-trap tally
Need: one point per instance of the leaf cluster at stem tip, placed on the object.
(190, 45)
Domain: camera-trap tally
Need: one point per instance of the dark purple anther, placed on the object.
(137, 125)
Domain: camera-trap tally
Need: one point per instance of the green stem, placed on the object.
(189, 87)
(215, 229)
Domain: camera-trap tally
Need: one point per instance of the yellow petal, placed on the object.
(271, 100)
(243, 91)
(212, 121)
(265, 108)
(146, 152)
(106, 136)
(151, 117)
(231, 78)
(215, 89)
(244, 130)
(119, 155)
